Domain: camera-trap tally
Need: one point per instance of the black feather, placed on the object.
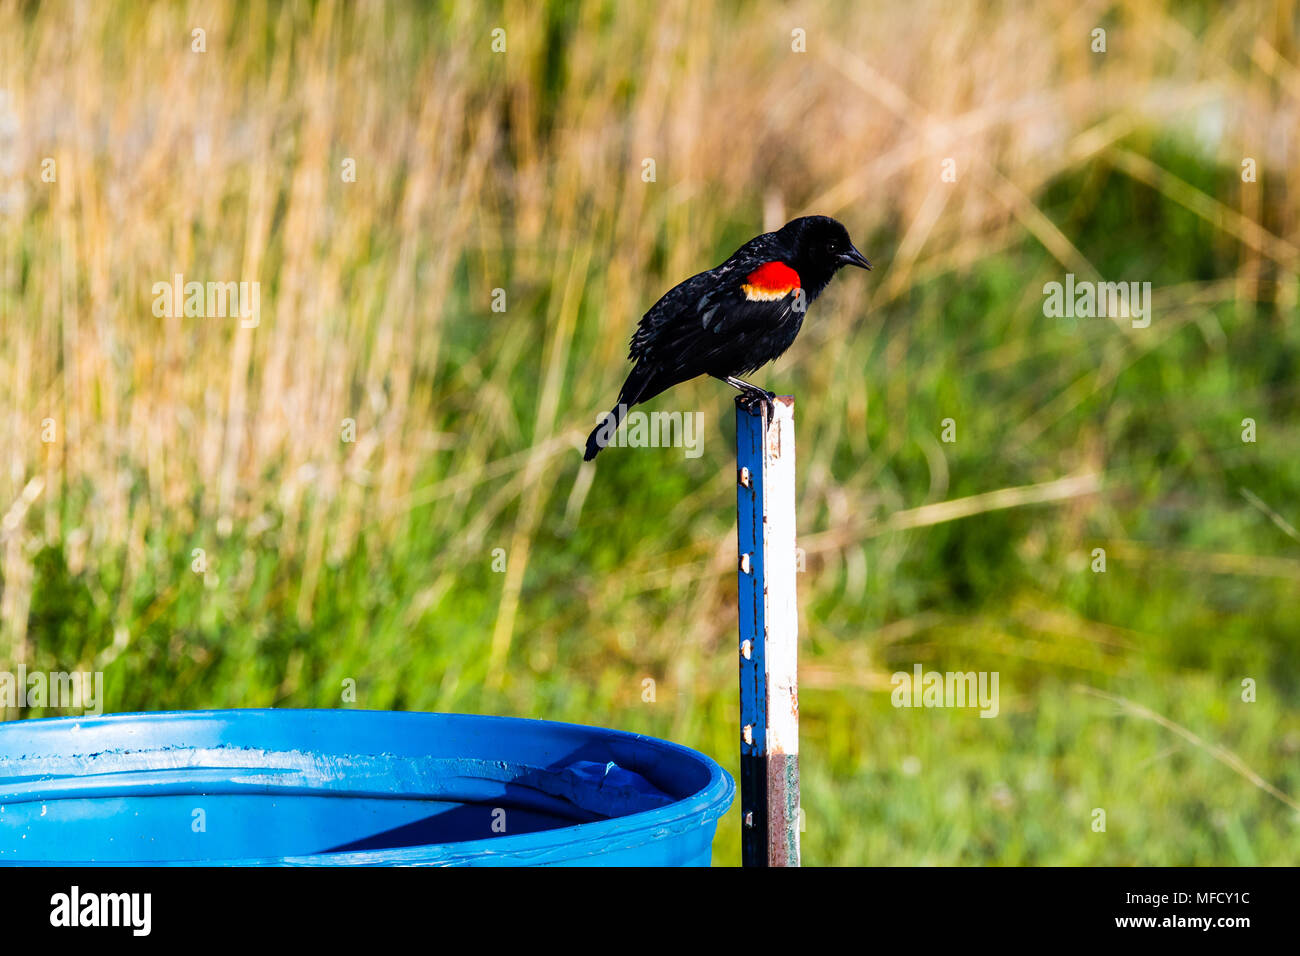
(707, 325)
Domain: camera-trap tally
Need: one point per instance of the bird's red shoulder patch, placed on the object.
(769, 282)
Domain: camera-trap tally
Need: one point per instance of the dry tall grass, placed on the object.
(225, 165)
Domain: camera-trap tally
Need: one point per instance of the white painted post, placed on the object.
(769, 631)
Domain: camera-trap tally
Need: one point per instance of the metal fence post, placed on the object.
(769, 625)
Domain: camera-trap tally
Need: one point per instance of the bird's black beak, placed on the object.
(855, 258)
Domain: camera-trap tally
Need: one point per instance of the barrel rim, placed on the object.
(694, 812)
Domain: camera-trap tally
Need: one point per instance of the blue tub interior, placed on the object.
(252, 787)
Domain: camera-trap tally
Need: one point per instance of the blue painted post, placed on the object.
(769, 697)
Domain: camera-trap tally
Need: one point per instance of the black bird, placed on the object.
(733, 319)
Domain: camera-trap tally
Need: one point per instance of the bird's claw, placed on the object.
(760, 397)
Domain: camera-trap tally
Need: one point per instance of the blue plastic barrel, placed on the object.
(337, 787)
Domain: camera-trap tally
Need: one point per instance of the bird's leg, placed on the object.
(753, 394)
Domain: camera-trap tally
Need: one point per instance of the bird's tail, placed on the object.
(642, 383)
(602, 434)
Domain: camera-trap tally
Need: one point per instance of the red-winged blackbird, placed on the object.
(734, 318)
